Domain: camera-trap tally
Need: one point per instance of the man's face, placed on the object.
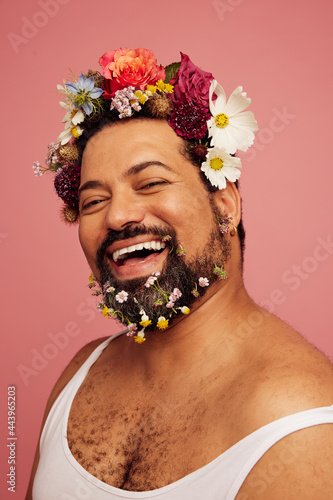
(136, 189)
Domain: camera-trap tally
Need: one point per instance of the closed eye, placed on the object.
(91, 203)
(153, 184)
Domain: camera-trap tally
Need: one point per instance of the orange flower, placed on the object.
(129, 67)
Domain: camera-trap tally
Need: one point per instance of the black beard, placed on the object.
(177, 272)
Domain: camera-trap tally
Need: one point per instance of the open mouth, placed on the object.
(135, 254)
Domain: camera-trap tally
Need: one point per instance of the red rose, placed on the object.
(129, 67)
(191, 83)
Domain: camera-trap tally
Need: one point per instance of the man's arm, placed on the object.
(66, 376)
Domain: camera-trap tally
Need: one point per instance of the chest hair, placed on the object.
(141, 442)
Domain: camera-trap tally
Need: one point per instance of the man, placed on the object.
(205, 395)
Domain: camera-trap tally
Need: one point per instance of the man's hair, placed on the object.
(93, 126)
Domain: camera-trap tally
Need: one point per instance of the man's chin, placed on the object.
(131, 286)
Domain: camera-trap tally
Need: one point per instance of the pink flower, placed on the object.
(37, 169)
(150, 281)
(191, 83)
(132, 329)
(177, 293)
(121, 296)
(129, 67)
(203, 282)
(180, 251)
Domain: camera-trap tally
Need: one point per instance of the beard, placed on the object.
(178, 273)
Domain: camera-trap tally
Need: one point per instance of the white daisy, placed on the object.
(230, 127)
(72, 118)
(69, 132)
(219, 166)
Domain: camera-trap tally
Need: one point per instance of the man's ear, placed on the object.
(228, 202)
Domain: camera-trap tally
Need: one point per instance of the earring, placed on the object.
(233, 232)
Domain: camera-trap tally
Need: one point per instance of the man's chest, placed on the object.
(142, 442)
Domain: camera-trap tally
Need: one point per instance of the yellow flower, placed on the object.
(139, 340)
(185, 310)
(162, 323)
(151, 88)
(168, 88)
(92, 278)
(145, 321)
(75, 132)
(141, 97)
(105, 311)
(160, 85)
(140, 337)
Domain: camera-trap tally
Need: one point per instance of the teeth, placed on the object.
(148, 245)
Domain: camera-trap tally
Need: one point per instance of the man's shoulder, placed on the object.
(293, 375)
(77, 361)
(297, 466)
(74, 365)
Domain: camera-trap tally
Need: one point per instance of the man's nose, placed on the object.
(123, 210)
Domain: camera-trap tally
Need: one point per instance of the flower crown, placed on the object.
(192, 101)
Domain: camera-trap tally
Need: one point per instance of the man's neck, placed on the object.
(208, 332)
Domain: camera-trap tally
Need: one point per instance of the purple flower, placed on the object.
(200, 151)
(189, 120)
(66, 183)
(84, 90)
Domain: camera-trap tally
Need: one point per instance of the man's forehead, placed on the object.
(132, 148)
(144, 131)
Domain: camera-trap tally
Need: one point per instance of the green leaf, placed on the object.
(55, 167)
(171, 71)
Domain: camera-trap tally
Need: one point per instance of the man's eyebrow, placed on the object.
(145, 164)
(90, 185)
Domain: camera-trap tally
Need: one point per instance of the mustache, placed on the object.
(131, 232)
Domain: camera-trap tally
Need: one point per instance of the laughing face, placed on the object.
(142, 203)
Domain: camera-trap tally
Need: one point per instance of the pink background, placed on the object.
(281, 52)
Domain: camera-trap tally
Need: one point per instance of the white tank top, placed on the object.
(60, 477)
